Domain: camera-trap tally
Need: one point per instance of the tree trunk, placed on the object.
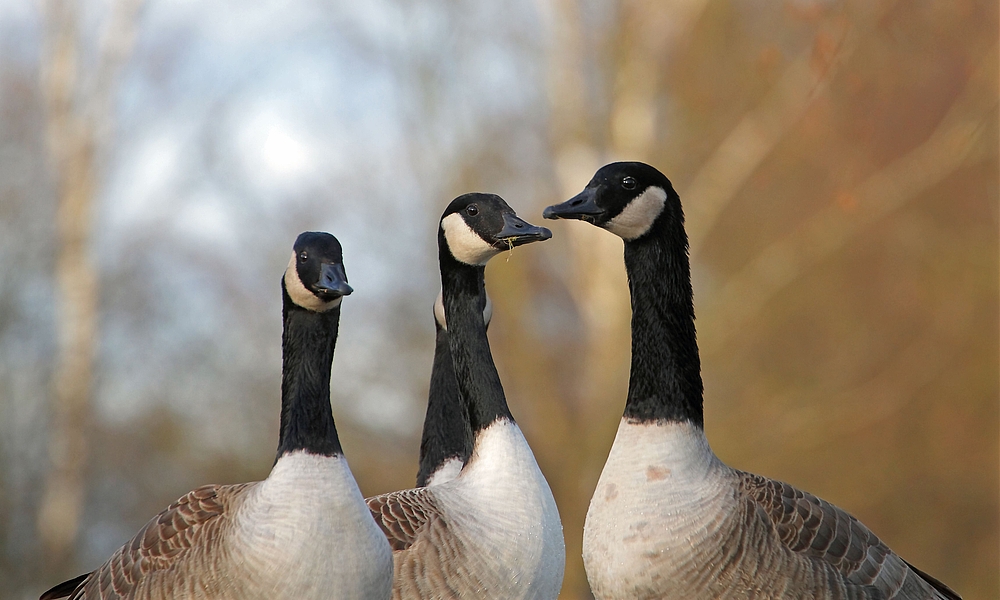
(71, 148)
(78, 114)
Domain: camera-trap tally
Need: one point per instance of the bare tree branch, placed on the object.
(889, 391)
(756, 135)
(655, 28)
(116, 45)
(884, 192)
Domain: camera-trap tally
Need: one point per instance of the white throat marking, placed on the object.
(638, 215)
(465, 244)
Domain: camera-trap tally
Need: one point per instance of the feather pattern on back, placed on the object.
(268, 539)
(814, 528)
(164, 542)
(403, 515)
(669, 519)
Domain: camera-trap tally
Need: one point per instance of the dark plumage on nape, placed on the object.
(446, 440)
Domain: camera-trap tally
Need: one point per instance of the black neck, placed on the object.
(665, 379)
(447, 434)
(464, 292)
(307, 341)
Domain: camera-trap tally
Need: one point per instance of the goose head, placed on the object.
(476, 227)
(315, 279)
(626, 198)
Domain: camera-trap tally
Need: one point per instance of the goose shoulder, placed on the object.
(404, 515)
(167, 541)
(493, 530)
(814, 528)
(426, 548)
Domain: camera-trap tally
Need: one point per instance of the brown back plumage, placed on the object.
(402, 515)
(812, 527)
(163, 544)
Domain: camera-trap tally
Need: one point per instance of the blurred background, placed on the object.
(837, 160)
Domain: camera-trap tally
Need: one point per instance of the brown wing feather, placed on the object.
(162, 543)
(402, 515)
(430, 561)
(64, 589)
(944, 590)
(812, 527)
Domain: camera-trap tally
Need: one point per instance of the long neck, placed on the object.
(464, 292)
(308, 341)
(665, 379)
(446, 433)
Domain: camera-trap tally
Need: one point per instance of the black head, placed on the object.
(626, 198)
(315, 277)
(476, 227)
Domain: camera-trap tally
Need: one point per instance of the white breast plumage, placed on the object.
(503, 506)
(448, 470)
(662, 490)
(293, 528)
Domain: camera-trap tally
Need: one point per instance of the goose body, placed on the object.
(494, 530)
(304, 531)
(668, 519)
(708, 531)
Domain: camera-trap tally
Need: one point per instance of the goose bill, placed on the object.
(583, 206)
(333, 282)
(517, 231)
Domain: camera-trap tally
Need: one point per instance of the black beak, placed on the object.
(517, 231)
(582, 206)
(333, 281)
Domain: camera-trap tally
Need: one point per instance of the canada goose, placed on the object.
(494, 530)
(305, 531)
(668, 519)
(446, 442)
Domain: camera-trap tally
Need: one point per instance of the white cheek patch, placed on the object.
(301, 295)
(638, 216)
(443, 322)
(465, 244)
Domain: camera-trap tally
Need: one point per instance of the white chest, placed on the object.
(661, 495)
(306, 530)
(448, 470)
(502, 507)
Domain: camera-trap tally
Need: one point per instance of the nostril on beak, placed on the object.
(577, 203)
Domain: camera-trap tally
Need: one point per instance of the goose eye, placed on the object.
(303, 256)
(472, 209)
(628, 183)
